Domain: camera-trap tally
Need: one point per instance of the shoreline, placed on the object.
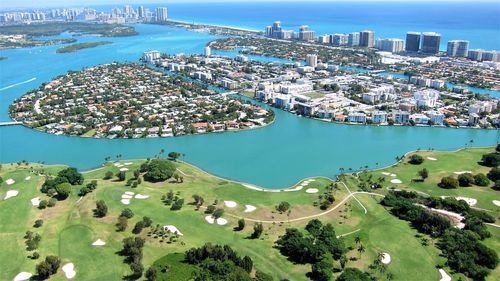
(292, 188)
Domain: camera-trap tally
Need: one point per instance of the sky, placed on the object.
(78, 3)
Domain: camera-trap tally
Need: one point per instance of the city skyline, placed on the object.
(12, 4)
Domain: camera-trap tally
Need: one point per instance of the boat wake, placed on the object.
(17, 84)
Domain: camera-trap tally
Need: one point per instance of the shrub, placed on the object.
(416, 159)
(497, 185)
(218, 213)
(121, 175)
(108, 175)
(424, 173)
(210, 209)
(101, 209)
(465, 179)
(241, 224)
(258, 228)
(43, 204)
(494, 174)
(122, 224)
(448, 182)
(48, 267)
(38, 223)
(127, 213)
(63, 190)
(177, 204)
(283, 207)
(52, 202)
(481, 180)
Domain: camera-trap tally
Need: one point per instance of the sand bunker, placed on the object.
(27, 178)
(444, 275)
(470, 201)
(386, 173)
(396, 181)
(221, 221)
(125, 196)
(10, 194)
(230, 204)
(125, 201)
(140, 196)
(10, 182)
(127, 163)
(496, 202)
(210, 219)
(123, 169)
(394, 175)
(23, 276)
(129, 193)
(173, 229)
(69, 270)
(312, 190)
(386, 258)
(35, 201)
(99, 242)
(431, 158)
(463, 172)
(249, 208)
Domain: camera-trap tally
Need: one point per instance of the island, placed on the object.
(23, 41)
(133, 101)
(79, 46)
(164, 219)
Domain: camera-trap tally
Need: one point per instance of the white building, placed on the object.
(161, 14)
(420, 119)
(401, 117)
(379, 117)
(151, 56)
(393, 45)
(208, 51)
(312, 60)
(426, 98)
(436, 117)
(457, 48)
(357, 117)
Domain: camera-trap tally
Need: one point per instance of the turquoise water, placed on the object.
(275, 156)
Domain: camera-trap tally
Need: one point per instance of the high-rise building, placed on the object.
(305, 34)
(367, 38)
(393, 45)
(353, 39)
(324, 39)
(269, 31)
(312, 60)
(161, 14)
(476, 55)
(339, 39)
(208, 51)
(412, 42)
(140, 12)
(431, 42)
(457, 48)
(491, 56)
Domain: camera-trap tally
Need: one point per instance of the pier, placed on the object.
(12, 123)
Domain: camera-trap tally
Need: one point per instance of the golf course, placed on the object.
(193, 208)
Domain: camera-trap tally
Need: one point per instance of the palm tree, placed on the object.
(361, 249)
(357, 239)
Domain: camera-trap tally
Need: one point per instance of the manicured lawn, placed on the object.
(70, 228)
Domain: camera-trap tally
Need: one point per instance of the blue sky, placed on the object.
(53, 3)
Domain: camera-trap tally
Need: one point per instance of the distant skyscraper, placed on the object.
(208, 51)
(431, 42)
(312, 60)
(457, 48)
(367, 38)
(412, 41)
(475, 54)
(140, 12)
(161, 14)
(339, 39)
(353, 39)
(393, 45)
(305, 34)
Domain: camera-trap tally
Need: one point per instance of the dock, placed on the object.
(12, 123)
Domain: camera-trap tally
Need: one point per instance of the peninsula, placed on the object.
(132, 101)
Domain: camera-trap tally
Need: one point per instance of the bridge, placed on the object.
(13, 123)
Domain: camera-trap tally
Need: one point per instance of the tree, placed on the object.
(491, 159)
(63, 190)
(354, 274)
(323, 269)
(127, 213)
(343, 261)
(494, 174)
(247, 264)
(121, 175)
(70, 175)
(448, 182)
(465, 179)
(424, 173)
(122, 224)
(198, 200)
(481, 180)
(101, 209)
(108, 175)
(416, 159)
(361, 249)
(497, 185)
(38, 223)
(177, 204)
(210, 209)
(283, 207)
(258, 228)
(48, 267)
(173, 155)
(43, 204)
(241, 224)
(159, 170)
(151, 274)
(218, 213)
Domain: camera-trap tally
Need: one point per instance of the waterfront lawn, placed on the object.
(248, 94)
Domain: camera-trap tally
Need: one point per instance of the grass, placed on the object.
(70, 228)
(249, 94)
(90, 133)
(314, 95)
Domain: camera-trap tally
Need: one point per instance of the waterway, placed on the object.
(276, 156)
